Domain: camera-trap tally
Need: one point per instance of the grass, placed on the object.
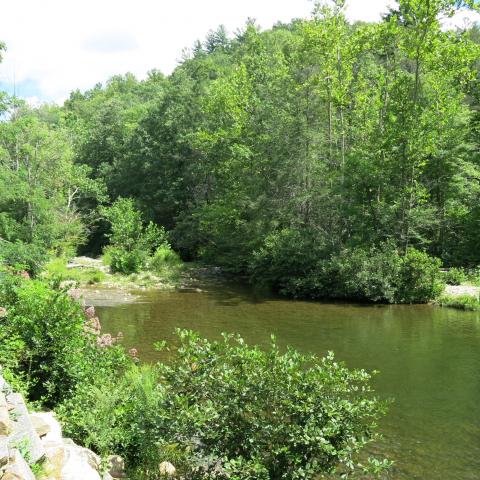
(461, 302)
(85, 275)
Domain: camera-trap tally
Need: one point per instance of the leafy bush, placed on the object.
(131, 243)
(19, 256)
(127, 262)
(164, 256)
(49, 346)
(376, 274)
(420, 278)
(285, 255)
(223, 410)
(454, 276)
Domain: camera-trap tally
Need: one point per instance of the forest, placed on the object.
(319, 157)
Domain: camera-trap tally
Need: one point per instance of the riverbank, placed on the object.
(32, 446)
(461, 297)
(87, 271)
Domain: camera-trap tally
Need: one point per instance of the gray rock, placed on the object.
(39, 424)
(72, 462)
(17, 468)
(3, 452)
(116, 466)
(22, 429)
(5, 424)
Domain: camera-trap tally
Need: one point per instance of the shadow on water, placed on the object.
(428, 358)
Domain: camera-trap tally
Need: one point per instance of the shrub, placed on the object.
(221, 410)
(19, 256)
(454, 276)
(132, 243)
(53, 351)
(285, 255)
(420, 278)
(127, 262)
(164, 256)
(376, 274)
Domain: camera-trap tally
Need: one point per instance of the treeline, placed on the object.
(279, 154)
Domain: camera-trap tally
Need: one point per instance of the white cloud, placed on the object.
(55, 46)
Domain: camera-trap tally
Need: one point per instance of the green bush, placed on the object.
(420, 278)
(285, 255)
(223, 410)
(164, 256)
(132, 244)
(49, 346)
(127, 262)
(19, 256)
(376, 274)
(454, 276)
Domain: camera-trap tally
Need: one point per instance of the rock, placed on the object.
(71, 462)
(17, 468)
(167, 469)
(22, 428)
(40, 426)
(69, 442)
(116, 466)
(5, 424)
(3, 452)
(11, 476)
(54, 433)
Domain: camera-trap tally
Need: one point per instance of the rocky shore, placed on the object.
(32, 446)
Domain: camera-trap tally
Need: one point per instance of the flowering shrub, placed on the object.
(56, 339)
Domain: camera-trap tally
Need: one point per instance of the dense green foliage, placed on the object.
(218, 410)
(224, 410)
(313, 140)
(44, 342)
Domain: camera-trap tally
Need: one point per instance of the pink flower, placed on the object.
(133, 352)
(93, 325)
(74, 293)
(3, 312)
(90, 312)
(105, 340)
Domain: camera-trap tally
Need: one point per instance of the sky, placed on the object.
(56, 46)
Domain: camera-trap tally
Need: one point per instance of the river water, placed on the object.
(428, 358)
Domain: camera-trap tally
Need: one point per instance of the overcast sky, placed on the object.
(55, 46)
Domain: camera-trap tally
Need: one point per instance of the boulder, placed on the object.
(17, 468)
(22, 428)
(3, 452)
(116, 466)
(47, 426)
(5, 424)
(167, 469)
(39, 424)
(71, 462)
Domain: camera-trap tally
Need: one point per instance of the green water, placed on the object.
(428, 358)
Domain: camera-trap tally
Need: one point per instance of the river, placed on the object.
(428, 359)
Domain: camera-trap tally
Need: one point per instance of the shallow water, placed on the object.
(428, 358)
